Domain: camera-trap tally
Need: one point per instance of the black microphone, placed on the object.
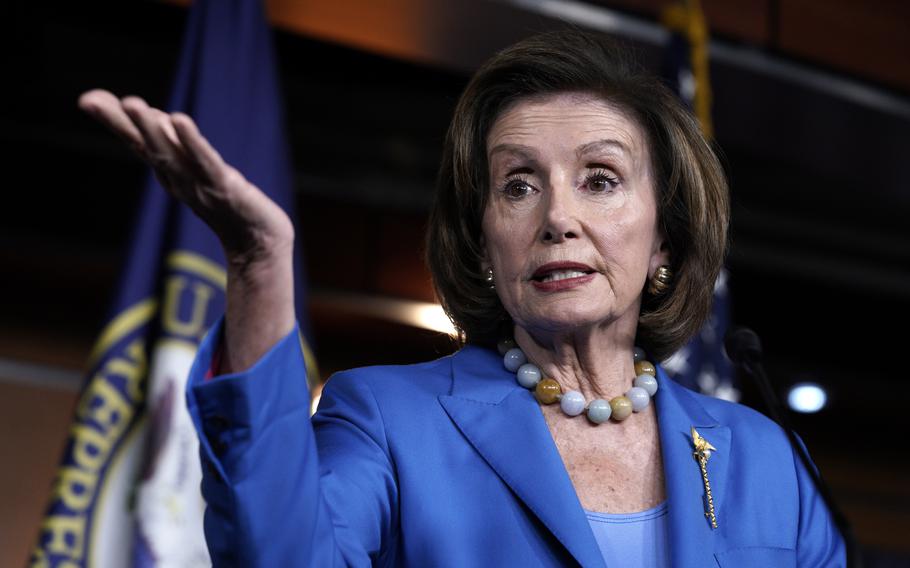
(744, 349)
(742, 343)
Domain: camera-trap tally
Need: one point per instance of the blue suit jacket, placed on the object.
(451, 463)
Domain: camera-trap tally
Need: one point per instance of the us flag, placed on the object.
(702, 364)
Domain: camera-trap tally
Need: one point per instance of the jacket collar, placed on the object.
(504, 423)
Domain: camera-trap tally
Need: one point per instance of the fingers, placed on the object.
(148, 130)
(197, 150)
(107, 109)
(162, 147)
(172, 144)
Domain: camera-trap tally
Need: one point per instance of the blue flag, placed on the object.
(127, 491)
(701, 364)
(685, 63)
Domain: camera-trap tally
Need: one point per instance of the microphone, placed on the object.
(744, 349)
(741, 343)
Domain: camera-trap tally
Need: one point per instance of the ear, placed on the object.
(660, 255)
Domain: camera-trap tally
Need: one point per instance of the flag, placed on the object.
(127, 491)
(685, 64)
(701, 364)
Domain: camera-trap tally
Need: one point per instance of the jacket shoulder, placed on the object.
(748, 423)
(429, 378)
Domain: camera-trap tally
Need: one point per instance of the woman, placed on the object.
(579, 211)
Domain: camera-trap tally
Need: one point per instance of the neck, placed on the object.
(596, 362)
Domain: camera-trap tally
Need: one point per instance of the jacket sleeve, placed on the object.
(819, 543)
(282, 490)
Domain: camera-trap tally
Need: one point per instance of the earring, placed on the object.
(660, 282)
(489, 279)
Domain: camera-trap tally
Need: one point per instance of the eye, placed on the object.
(517, 187)
(601, 181)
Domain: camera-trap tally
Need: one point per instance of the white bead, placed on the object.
(528, 375)
(639, 397)
(514, 358)
(572, 403)
(599, 411)
(646, 382)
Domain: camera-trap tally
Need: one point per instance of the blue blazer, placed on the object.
(451, 463)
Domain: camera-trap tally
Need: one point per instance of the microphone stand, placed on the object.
(746, 354)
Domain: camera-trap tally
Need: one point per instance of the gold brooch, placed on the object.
(703, 449)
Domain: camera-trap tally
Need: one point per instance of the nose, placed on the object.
(560, 219)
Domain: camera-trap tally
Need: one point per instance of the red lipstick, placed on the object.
(559, 276)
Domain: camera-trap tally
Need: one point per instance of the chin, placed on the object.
(570, 315)
(564, 321)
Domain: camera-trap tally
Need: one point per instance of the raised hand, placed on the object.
(246, 221)
(256, 234)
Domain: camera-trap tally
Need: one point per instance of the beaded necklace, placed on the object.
(572, 403)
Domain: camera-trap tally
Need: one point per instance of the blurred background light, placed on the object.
(429, 316)
(807, 397)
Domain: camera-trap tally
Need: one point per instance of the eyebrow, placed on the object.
(529, 152)
(520, 149)
(601, 145)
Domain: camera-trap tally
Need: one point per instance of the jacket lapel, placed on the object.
(692, 540)
(504, 423)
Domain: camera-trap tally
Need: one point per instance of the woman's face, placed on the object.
(570, 226)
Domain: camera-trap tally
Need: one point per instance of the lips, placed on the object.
(559, 271)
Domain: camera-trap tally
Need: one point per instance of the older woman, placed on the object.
(579, 213)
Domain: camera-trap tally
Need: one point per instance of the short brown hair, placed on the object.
(692, 196)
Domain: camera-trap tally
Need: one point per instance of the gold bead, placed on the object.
(547, 391)
(645, 368)
(622, 408)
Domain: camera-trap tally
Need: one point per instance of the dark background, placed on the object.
(812, 117)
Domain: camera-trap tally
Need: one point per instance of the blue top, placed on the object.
(450, 463)
(633, 540)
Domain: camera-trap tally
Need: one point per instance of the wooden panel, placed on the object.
(745, 20)
(33, 427)
(396, 28)
(874, 496)
(391, 27)
(38, 342)
(867, 38)
(401, 271)
(368, 250)
(335, 238)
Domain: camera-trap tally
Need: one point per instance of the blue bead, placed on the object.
(599, 411)
(514, 358)
(572, 403)
(639, 397)
(504, 345)
(528, 375)
(638, 354)
(646, 382)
